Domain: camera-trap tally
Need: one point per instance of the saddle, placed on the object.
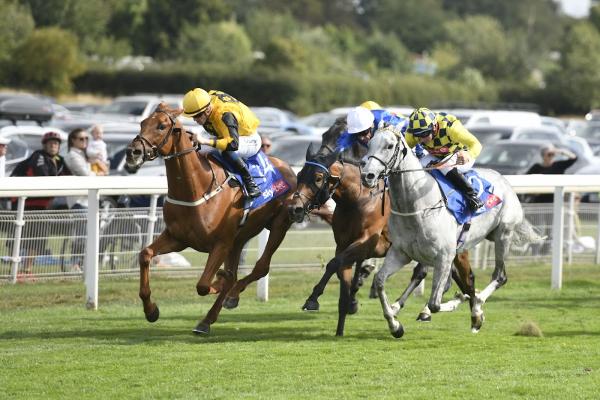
(268, 178)
(456, 202)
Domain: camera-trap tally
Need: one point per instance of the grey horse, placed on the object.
(422, 228)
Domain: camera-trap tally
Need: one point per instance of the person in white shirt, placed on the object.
(96, 150)
(77, 161)
(3, 147)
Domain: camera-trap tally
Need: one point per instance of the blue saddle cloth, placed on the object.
(268, 178)
(457, 202)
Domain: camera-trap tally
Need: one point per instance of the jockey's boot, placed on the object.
(241, 167)
(464, 186)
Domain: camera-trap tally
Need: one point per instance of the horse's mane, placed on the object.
(352, 155)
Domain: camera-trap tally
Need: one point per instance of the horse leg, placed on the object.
(394, 260)
(279, 228)
(419, 273)
(465, 279)
(215, 259)
(231, 265)
(357, 282)
(345, 276)
(163, 244)
(312, 302)
(441, 274)
(499, 277)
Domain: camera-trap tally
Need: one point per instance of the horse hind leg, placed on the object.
(163, 244)
(419, 273)
(312, 302)
(231, 266)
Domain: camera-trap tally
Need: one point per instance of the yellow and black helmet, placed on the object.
(195, 101)
(421, 122)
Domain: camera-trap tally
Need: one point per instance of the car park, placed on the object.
(504, 118)
(137, 108)
(277, 122)
(292, 149)
(591, 133)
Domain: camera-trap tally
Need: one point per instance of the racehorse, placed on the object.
(359, 225)
(203, 212)
(422, 228)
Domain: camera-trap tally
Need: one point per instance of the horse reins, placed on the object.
(153, 152)
(323, 191)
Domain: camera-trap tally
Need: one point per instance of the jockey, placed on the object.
(363, 121)
(443, 135)
(232, 123)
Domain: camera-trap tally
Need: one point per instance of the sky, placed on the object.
(576, 8)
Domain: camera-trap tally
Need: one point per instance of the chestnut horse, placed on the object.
(359, 226)
(203, 212)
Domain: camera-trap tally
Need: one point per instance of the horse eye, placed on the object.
(390, 146)
(161, 126)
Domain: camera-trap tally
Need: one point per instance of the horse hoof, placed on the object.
(353, 307)
(477, 323)
(202, 329)
(422, 317)
(398, 333)
(310, 305)
(153, 316)
(231, 302)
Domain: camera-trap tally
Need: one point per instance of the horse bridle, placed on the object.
(323, 193)
(387, 169)
(151, 151)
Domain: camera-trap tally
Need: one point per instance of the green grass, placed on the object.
(51, 347)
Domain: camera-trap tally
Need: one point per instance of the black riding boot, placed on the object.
(464, 186)
(242, 169)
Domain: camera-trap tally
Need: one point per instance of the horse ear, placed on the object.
(176, 112)
(162, 106)
(310, 152)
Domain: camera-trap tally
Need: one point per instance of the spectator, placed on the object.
(549, 167)
(78, 163)
(3, 146)
(44, 162)
(265, 145)
(4, 203)
(96, 151)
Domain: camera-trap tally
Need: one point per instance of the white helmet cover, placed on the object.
(359, 119)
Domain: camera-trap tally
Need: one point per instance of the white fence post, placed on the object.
(558, 226)
(92, 249)
(151, 219)
(571, 228)
(19, 222)
(598, 238)
(262, 286)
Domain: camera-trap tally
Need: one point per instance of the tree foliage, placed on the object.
(48, 60)
(16, 23)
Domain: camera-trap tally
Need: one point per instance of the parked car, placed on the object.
(505, 118)
(514, 157)
(277, 122)
(292, 149)
(591, 133)
(136, 108)
(319, 123)
(543, 132)
(555, 122)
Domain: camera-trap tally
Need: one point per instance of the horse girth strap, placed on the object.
(205, 197)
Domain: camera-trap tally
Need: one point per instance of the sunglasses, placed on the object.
(82, 139)
(265, 146)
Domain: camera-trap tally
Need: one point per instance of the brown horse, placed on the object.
(359, 227)
(203, 212)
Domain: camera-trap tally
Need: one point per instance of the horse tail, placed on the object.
(525, 234)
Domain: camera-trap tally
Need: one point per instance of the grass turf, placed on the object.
(51, 346)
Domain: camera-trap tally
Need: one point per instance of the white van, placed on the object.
(504, 118)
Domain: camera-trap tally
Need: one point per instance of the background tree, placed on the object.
(578, 78)
(16, 23)
(48, 60)
(224, 43)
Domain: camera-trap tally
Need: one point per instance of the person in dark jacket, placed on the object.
(44, 162)
(549, 166)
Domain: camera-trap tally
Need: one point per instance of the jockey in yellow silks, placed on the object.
(445, 138)
(233, 126)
